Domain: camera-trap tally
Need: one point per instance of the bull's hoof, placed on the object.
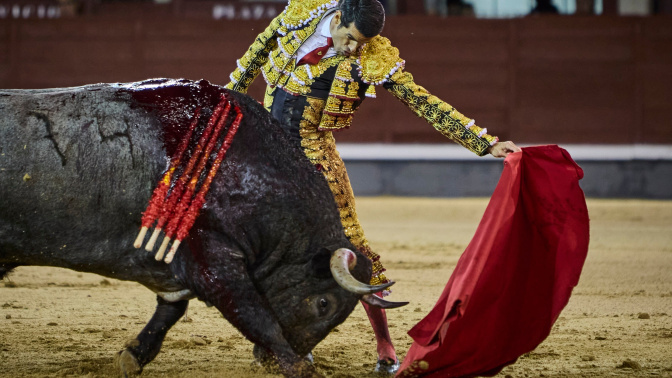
(387, 367)
(128, 365)
(303, 369)
(265, 360)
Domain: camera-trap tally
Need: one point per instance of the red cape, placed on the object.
(516, 275)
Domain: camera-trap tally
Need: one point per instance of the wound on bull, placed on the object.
(180, 207)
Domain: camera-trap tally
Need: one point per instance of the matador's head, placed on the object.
(355, 23)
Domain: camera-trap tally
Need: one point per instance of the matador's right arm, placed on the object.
(444, 117)
(381, 64)
(249, 66)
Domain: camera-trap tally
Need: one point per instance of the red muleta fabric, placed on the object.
(516, 275)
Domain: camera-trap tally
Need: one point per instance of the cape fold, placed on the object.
(514, 277)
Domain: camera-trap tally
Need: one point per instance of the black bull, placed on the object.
(78, 166)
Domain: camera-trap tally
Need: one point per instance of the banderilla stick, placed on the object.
(185, 201)
(159, 194)
(175, 194)
(199, 201)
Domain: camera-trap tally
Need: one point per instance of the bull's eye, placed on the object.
(324, 305)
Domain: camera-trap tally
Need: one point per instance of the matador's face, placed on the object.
(346, 39)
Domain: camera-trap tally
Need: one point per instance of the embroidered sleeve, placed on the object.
(299, 13)
(249, 66)
(441, 115)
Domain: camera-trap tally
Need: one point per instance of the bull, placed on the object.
(77, 169)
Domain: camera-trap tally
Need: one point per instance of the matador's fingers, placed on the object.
(501, 149)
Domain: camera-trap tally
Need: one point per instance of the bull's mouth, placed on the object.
(303, 343)
(304, 337)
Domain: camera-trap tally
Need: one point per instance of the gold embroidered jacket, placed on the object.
(376, 63)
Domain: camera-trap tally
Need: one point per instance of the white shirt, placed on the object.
(318, 39)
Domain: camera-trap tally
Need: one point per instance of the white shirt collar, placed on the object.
(325, 26)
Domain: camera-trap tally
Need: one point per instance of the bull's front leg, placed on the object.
(228, 286)
(144, 348)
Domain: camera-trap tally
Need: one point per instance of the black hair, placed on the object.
(368, 15)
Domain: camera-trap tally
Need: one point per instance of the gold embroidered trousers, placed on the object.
(320, 148)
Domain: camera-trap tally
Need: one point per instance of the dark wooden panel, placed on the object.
(471, 100)
(572, 85)
(420, 27)
(430, 39)
(575, 27)
(453, 51)
(462, 75)
(386, 119)
(657, 86)
(657, 40)
(4, 52)
(359, 134)
(7, 55)
(584, 125)
(426, 134)
(212, 72)
(35, 76)
(382, 117)
(579, 49)
(463, 96)
(659, 27)
(77, 29)
(75, 53)
(657, 126)
(533, 80)
(495, 121)
(193, 51)
(204, 29)
(410, 7)
(4, 30)
(657, 51)
(583, 39)
(4, 75)
(422, 132)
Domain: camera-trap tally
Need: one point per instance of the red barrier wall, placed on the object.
(533, 80)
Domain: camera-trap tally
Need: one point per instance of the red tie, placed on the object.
(314, 56)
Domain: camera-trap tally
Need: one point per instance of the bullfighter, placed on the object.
(320, 60)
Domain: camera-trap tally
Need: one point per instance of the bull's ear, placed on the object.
(319, 264)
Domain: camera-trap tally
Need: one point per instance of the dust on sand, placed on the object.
(59, 323)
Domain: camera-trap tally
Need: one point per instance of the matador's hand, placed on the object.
(501, 149)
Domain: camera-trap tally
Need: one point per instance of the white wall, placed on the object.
(634, 7)
(514, 8)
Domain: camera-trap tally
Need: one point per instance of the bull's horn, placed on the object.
(341, 261)
(377, 301)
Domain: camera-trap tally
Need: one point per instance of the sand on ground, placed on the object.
(61, 323)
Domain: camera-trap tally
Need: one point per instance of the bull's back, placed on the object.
(77, 166)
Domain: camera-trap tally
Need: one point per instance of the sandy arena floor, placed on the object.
(60, 323)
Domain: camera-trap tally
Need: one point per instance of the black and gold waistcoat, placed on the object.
(343, 82)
